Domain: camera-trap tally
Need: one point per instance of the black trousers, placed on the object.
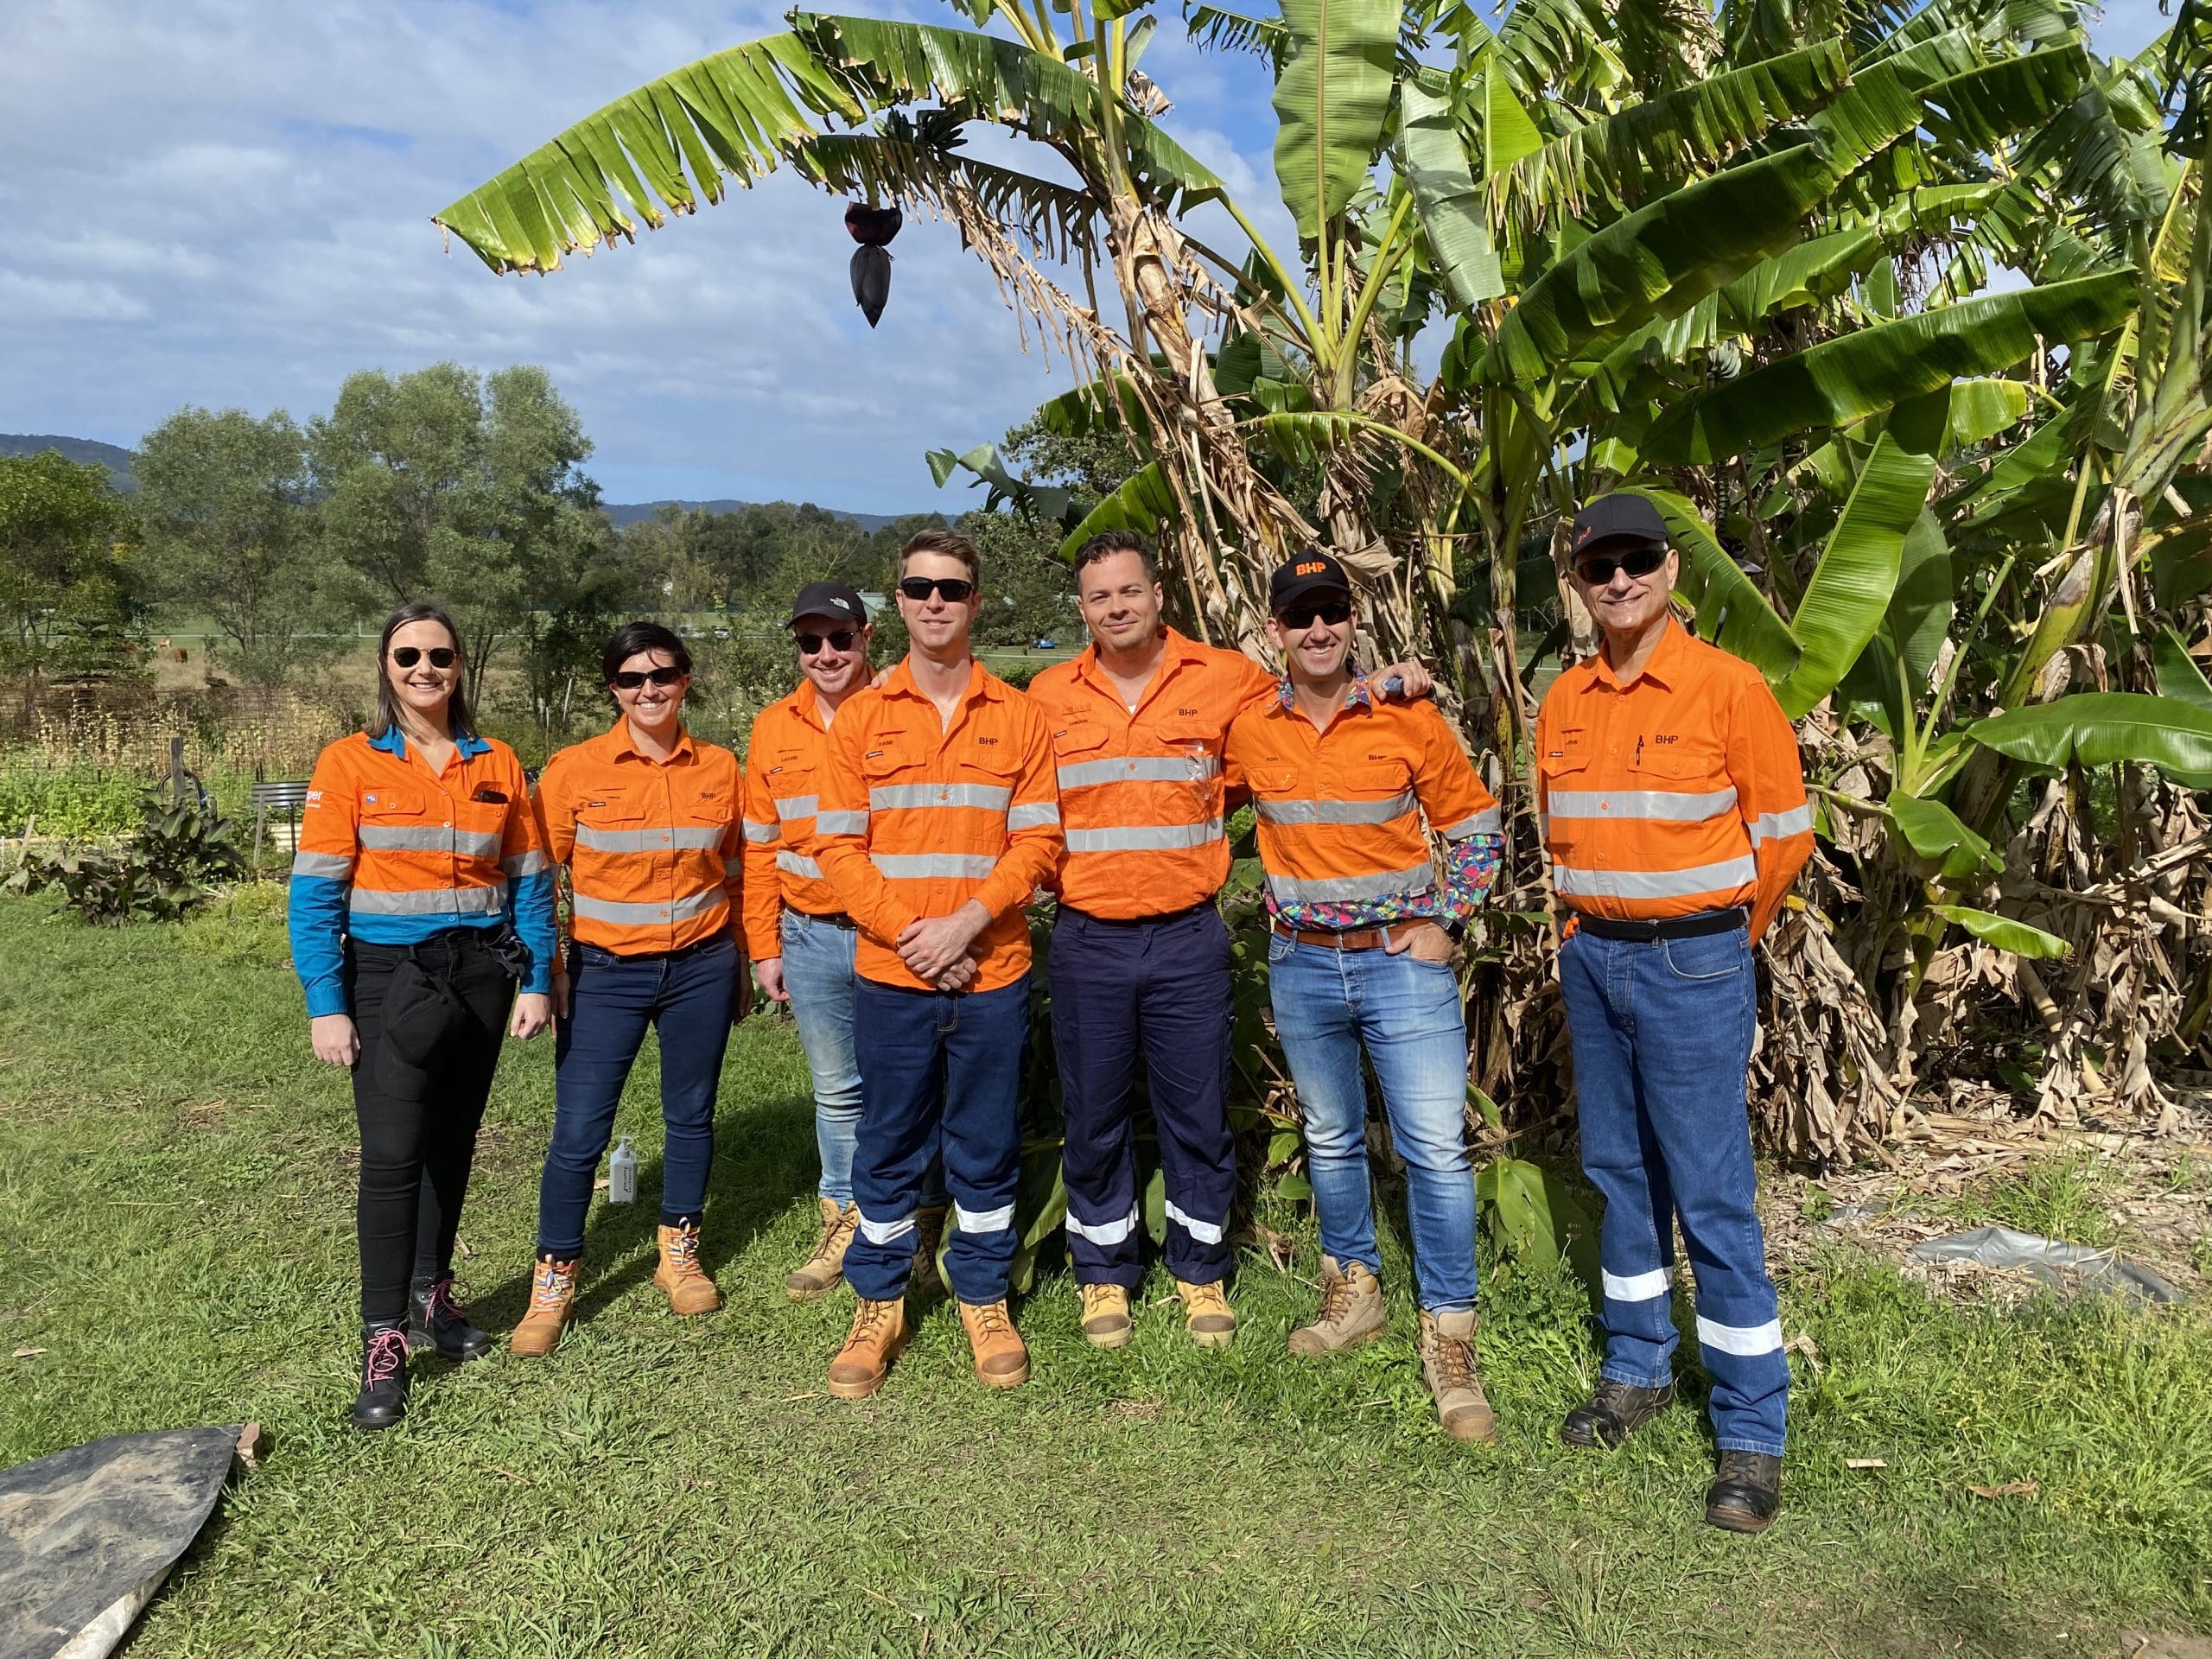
(418, 1125)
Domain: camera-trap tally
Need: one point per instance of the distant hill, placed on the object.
(628, 512)
(80, 451)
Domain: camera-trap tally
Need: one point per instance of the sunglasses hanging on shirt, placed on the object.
(841, 639)
(1330, 611)
(408, 656)
(1597, 569)
(630, 678)
(919, 588)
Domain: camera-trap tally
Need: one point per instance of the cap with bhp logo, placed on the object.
(1311, 572)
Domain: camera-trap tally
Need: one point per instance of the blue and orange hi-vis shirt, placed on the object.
(392, 853)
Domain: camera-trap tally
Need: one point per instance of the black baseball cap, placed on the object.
(1311, 572)
(1620, 517)
(829, 599)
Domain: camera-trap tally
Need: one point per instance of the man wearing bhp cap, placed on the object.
(1361, 959)
(1675, 820)
(801, 941)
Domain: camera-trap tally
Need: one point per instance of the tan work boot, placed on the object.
(689, 1290)
(1106, 1322)
(1351, 1310)
(817, 1275)
(1000, 1360)
(878, 1337)
(928, 1235)
(552, 1294)
(1447, 1368)
(1207, 1315)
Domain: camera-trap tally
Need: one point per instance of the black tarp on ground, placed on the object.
(93, 1530)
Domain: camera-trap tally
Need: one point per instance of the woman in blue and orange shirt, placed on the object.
(420, 897)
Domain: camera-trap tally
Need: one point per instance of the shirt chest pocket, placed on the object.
(392, 804)
(713, 807)
(605, 809)
(1564, 754)
(986, 777)
(1272, 783)
(1195, 743)
(1680, 761)
(792, 787)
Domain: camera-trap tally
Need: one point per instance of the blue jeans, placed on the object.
(1662, 1031)
(940, 1071)
(686, 995)
(819, 979)
(1330, 1005)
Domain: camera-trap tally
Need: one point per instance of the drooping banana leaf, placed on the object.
(1142, 504)
(1731, 613)
(2019, 937)
(1982, 409)
(1933, 831)
(1043, 500)
(1454, 215)
(1507, 133)
(2179, 677)
(1331, 99)
(1856, 375)
(2103, 728)
(1922, 607)
(1219, 30)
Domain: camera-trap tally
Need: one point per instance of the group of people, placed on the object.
(873, 859)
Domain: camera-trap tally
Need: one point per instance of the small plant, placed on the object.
(171, 865)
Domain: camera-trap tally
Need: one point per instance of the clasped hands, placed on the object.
(935, 948)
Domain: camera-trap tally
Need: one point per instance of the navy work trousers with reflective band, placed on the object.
(686, 994)
(1155, 994)
(938, 1071)
(1661, 1032)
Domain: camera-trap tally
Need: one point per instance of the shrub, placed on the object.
(165, 870)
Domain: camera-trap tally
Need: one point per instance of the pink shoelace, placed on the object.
(386, 1358)
(442, 1305)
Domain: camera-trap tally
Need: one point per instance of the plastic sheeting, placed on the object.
(2065, 1267)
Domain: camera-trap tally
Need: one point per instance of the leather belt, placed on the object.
(831, 918)
(1670, 927)
(1354, 938)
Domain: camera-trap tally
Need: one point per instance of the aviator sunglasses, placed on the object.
(1597, 569)
(630, 678)
(408, 656)
(1330, 611)
(840, 640)
(919, 588)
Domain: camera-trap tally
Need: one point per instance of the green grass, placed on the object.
(175, 1232)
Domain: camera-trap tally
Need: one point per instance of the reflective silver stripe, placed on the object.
(328, 867)
(1655, 884)
(679, 910)
(793, 864)
(1488, 821)
(1145, 838)
(1747, 1340)
(1034, 816)
(522, 864)
(797, 806)
(1336, 811)
(992, 798)
(921, 867)
(1773, 826)
(1637, 1286)
(1104, 1232)
(732, 868)
(429, 838)
(1141, 768)
(429, 901)
(984, 1221)
(1657, 806)
(1205, 1232)
(840, 823)
(1289, 890)
(883, 1232)
(760, 832)
(648, 841)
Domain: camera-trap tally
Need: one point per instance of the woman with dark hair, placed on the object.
(420, 896)
(645, 818)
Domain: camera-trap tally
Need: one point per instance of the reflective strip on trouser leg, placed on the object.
(1095, 1045)
(897, 1046)
(885, 1232)
(983, 1037)
(1104, 1232)
(1637, 1286)
(1206, 1232)
(984, 1221)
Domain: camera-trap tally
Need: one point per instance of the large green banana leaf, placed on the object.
(1923, 605)
(2102, 728)
(1856, 375)
(1332, 99)
(2179, 677)
(1453, 215)
(1731, 613)
(1508, 133)
(2020, 938)
(1659, 261)
(1142, 504)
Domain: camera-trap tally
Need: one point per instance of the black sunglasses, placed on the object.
(1597, 569)
(919, 588)
(630, 678)
(408, 656)
(841, 639)
(1330, 611)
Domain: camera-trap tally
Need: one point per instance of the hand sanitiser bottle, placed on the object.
(622, 1173)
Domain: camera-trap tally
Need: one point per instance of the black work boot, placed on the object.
(1746, 1493)
(1614, 1413)
(383, 1398)
(435, 1319)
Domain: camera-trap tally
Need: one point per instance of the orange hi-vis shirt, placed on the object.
(1141, 789)
(1340, 810)
(1678, 793)
(918, 814)
(784, 763)
(654, 855)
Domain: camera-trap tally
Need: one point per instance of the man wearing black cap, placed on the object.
(1675, 821)
(1359, 963)
(801, 941)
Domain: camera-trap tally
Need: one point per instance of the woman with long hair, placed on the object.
(645, 819)
(420, 898)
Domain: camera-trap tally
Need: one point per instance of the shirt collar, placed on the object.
(1664, 668)
(621, 743)
(1179, 649)
(1357, 695)
(394, 742)
(900, 682)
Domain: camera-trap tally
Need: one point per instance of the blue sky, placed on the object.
(226, 202)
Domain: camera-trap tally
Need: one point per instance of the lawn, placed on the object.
(176, 1235)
